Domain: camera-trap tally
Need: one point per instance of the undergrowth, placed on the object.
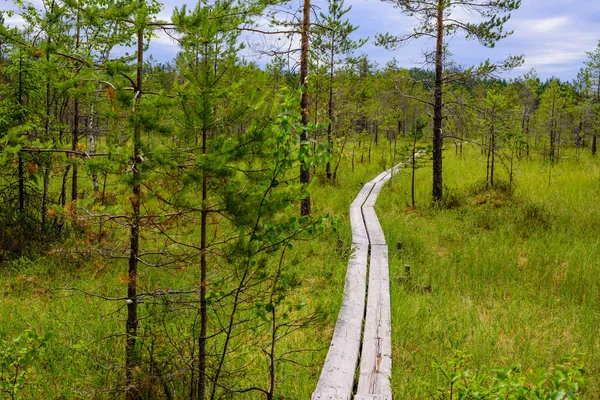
(506, 276)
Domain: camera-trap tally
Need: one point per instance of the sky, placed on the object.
(553, 35)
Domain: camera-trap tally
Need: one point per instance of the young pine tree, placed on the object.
(441, 20)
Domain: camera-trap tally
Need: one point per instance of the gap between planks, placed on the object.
(338, 373)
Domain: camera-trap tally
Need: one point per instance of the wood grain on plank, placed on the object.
(337, 376)
(385, 174)
(328, 396)
(362, 195)
(376, 353)
(372, 198)
(359, 230)
(376, 236)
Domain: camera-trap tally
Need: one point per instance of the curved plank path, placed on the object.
(370, 254)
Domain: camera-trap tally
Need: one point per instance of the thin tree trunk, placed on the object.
(74, 143)
(438, 140)
(92, 139)
(335, 170)
(370, 145)
(594, 135)
(552, 134)
(353, 153)
(330, 107)
(399, 128)
(20, 173)
(229, 329)
(203, 250)
(362, 151)
(487, 167)
(305, 207)
(414, 167)
(493, 151)
(47, 170)
(376, 131)
(131, 359)
(75, 138)
(48, 164)
(63, 190)
(511, 176)
(527, 126)
(272, 359)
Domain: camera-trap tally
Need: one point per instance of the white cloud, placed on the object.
(15, 20)
(545, 26)
(554, 35)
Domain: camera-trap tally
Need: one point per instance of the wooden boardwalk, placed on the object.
(362, 332)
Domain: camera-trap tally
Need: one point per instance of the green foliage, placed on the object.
(488, 31)
(562, 382)
(418, 129)
(331, 37)
(17, 357)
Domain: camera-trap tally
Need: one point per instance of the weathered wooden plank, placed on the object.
(337, 377)
(359, 230)
(372, 198)
(328, 396)
(374, 230)
(362, 195)
(396, 169)
(376, 354)
(385, 174)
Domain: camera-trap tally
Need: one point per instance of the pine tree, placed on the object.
(592, 70)
(439, 20)
(332, 44)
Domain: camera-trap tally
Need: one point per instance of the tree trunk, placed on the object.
(337, 166)
(438, 140)
(493, 151)
(595, 137)
(48, 164)
(203, 250)
(552, 134)
(63, 189)
(75, 141)
(376, 131)
(330, 107)
(399, 128)
(414, 165)
(21, 176)
(92, 139)
(131, 359)
(305, 207)
(370, 145)
(488, 153)
(47, 169)
(353, 152)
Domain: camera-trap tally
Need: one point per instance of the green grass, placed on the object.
(84, 355)
(508, 279)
